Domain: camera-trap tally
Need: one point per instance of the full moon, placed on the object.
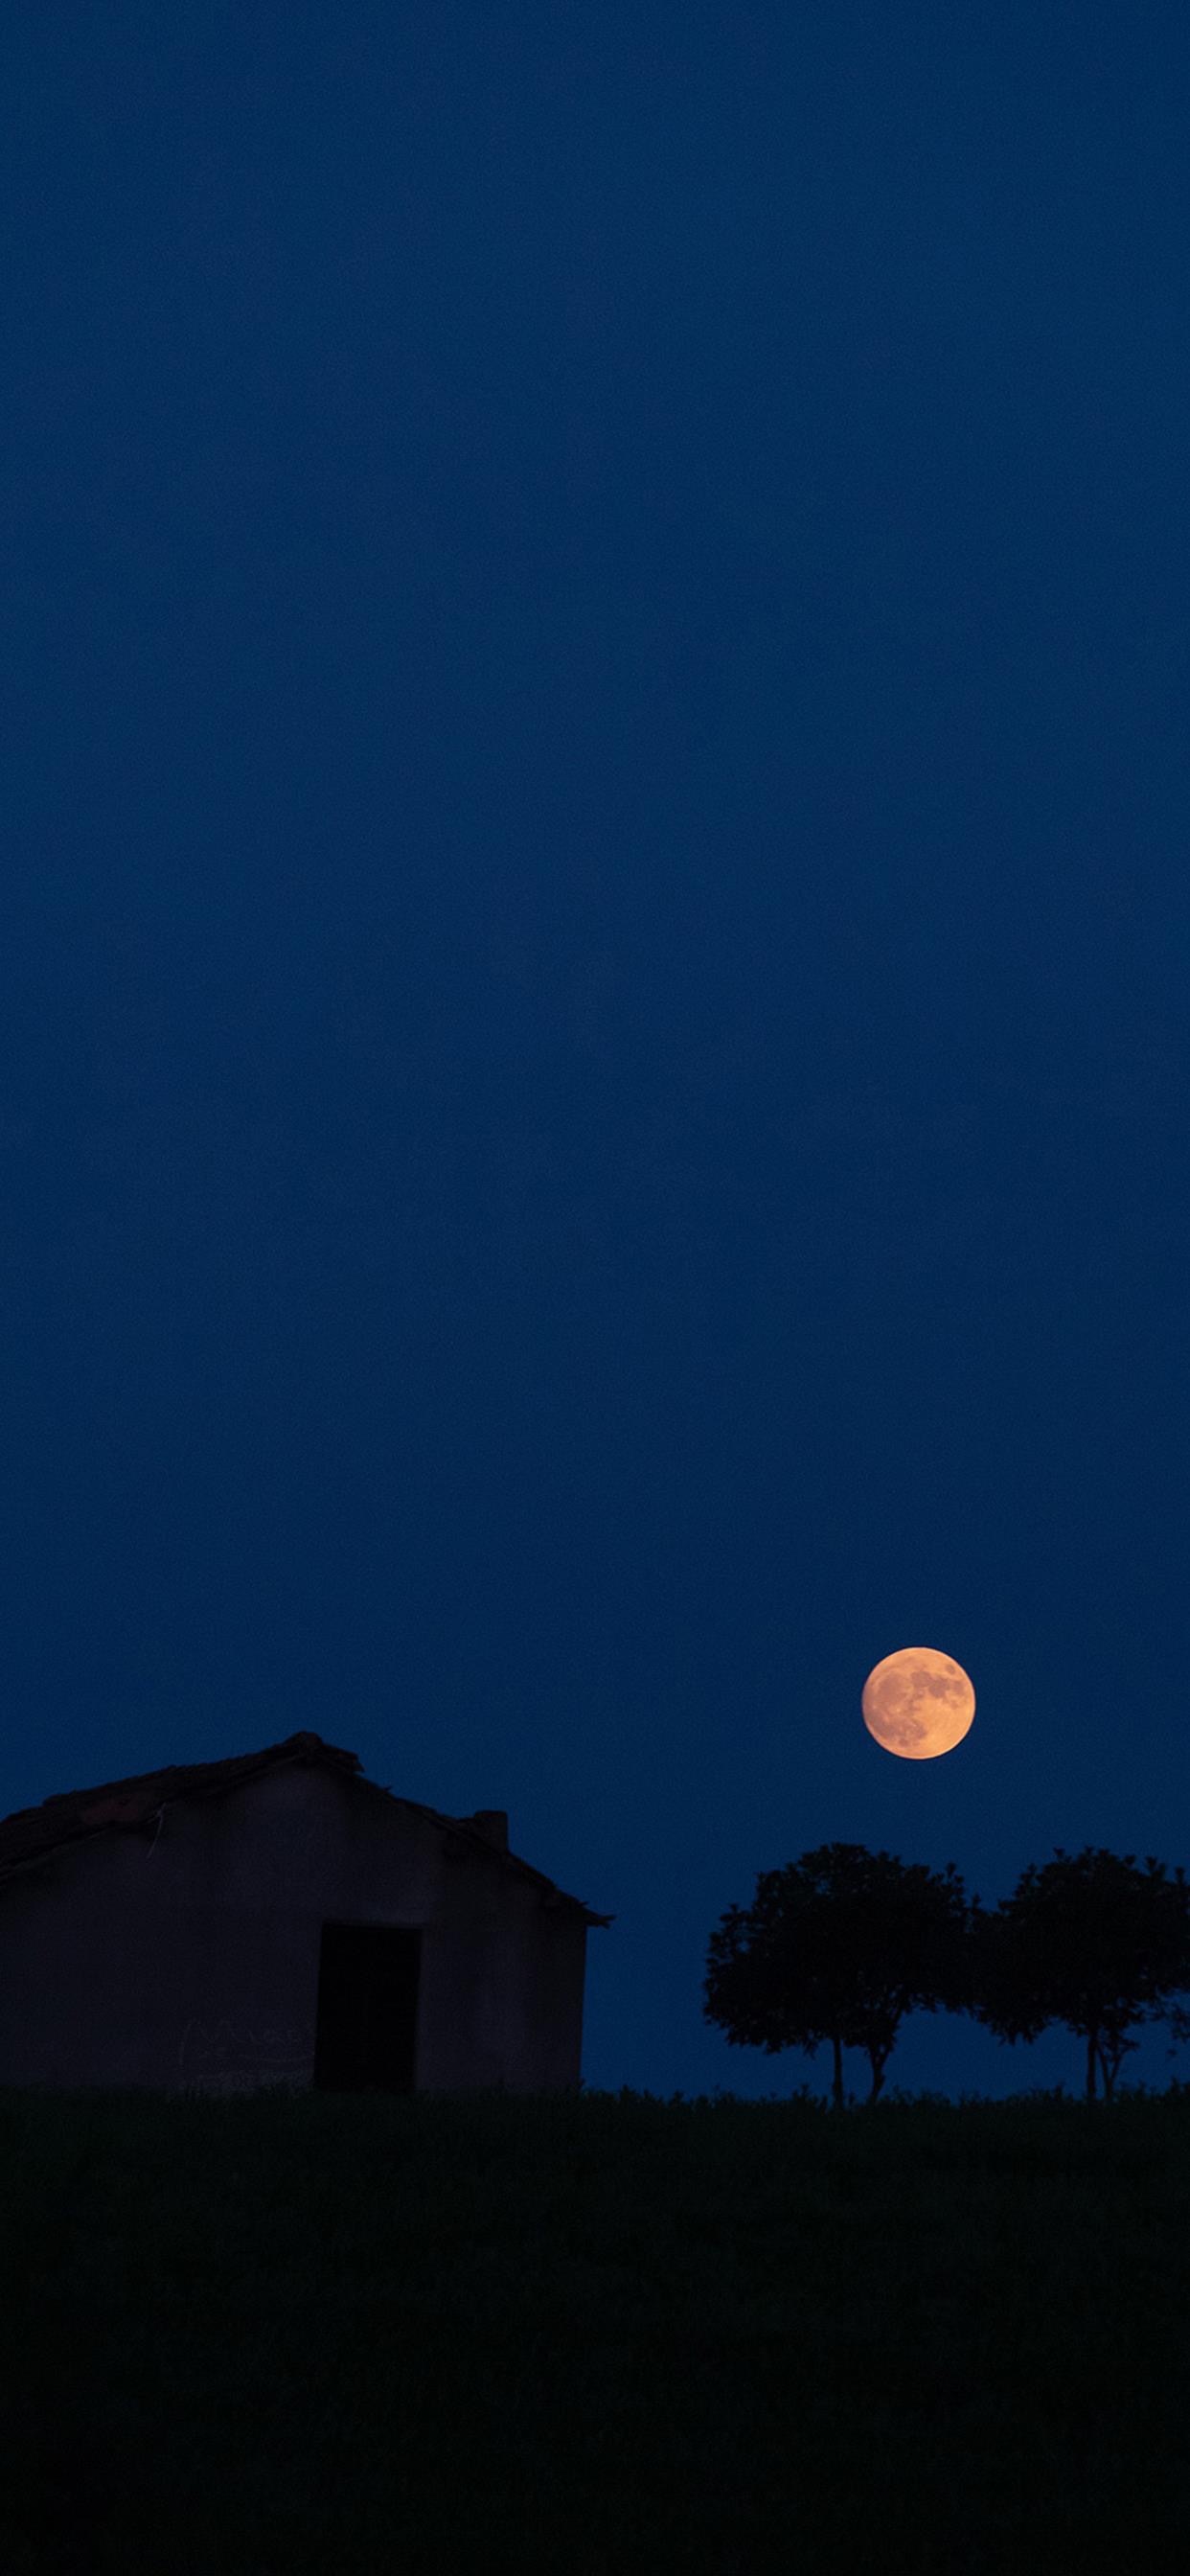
(918, 1703)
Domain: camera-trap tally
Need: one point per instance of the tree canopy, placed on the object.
(839, 1945)
(1090, 1940)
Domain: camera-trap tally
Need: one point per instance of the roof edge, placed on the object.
(131, 1804)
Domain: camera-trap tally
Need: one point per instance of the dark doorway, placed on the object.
(367, 2008)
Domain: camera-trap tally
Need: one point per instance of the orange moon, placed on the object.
(918, 1703)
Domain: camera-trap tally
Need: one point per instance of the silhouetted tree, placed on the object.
(839, 1945)
(1178, 2018)
(1091, 1941)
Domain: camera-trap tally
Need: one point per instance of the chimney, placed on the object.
(492, 1823)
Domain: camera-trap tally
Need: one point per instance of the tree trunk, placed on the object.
(1111, 2050)
(1091, 2037)
(838, 2085)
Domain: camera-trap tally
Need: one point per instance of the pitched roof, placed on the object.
(130, 1805)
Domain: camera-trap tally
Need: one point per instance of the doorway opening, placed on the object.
(366, 2030)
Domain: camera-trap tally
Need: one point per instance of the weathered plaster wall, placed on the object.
(188, 1956)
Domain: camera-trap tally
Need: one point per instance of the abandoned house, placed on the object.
(279, 1919)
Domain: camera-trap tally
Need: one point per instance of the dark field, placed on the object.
(594, 2334)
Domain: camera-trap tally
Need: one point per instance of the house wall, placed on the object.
(191, 1960)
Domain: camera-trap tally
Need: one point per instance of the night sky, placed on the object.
(594, 925)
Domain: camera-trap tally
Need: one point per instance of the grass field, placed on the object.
(593, 2334)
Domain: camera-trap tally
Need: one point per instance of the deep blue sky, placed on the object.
(594, 923)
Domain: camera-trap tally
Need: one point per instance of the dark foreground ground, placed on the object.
(593, 2335)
